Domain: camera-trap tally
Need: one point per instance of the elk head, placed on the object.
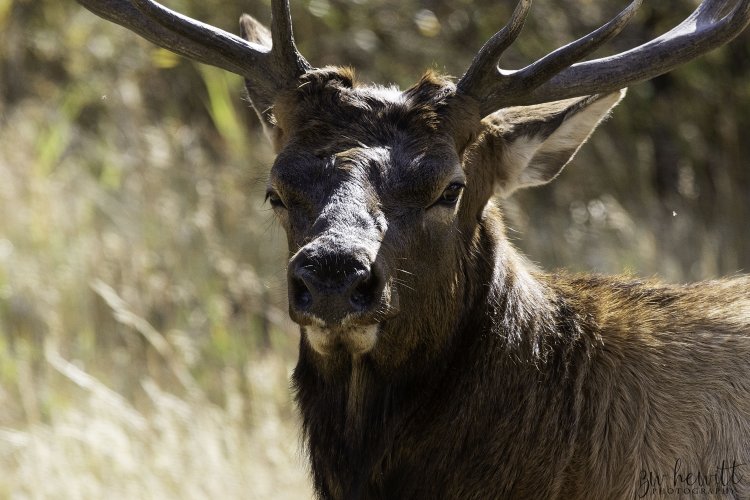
(385, 194)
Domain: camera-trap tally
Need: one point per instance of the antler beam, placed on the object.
(274, 68)
(559, 76)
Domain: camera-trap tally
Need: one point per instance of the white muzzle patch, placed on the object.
(355, 339)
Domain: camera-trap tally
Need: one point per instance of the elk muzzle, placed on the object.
(339, 292)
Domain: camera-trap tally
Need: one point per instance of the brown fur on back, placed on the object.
(668, 385)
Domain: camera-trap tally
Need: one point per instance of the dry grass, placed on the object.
(101, 446)
(143, 348)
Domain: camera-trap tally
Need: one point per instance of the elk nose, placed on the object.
(330, 287)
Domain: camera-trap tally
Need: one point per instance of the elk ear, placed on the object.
(260, 97)
(254, 31)
(538, 141)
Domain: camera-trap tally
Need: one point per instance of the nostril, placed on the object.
(364, 293)
(329, 286)
(301, 295)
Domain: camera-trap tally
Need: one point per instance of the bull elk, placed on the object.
(435, 361)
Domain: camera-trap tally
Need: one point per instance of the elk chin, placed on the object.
(355, 339)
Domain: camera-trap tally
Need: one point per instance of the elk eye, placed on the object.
(274, 199)
(451, 194)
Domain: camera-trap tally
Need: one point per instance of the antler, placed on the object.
(558, 75)
(267, 69)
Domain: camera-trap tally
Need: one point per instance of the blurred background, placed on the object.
(144, 344)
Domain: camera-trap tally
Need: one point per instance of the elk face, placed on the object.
(383, 196)
(368, 185)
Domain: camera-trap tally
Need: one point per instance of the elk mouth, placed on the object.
(356, 333)
(355, 339)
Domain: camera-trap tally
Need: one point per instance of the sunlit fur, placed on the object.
(495, 379)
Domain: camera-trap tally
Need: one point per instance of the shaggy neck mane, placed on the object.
(365, 412)
(524, 310)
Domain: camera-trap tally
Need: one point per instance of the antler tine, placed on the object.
(555, 77)
(507, 85)
(485, 62)
(283, 36)
(545, 68)
(709, 12)
(705, 29)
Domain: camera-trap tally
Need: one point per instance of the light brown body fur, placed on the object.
(667, 389)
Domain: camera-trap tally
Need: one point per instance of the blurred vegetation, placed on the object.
(144, 344)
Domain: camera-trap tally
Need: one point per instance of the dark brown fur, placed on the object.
(496, 380)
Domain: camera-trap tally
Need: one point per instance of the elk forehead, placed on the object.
(329, 106)
(376, 146)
